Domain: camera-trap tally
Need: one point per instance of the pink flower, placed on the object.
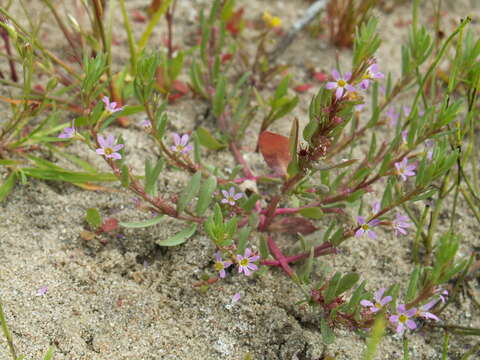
(68, 132)
(403, 319)
(221, 265)
(111, 107)
(236, 297)
(108, 147)
(371, 73)
(146, 124)
(365, 228)
(380, 301)
(405, 170)
(407, 110)
(392, 115)
(230, 197)
(181, 143)
(429, 143)
(42, 291)
(246, 262)
(340, 84)
(443, 294)
(423, 311)
(400, 224)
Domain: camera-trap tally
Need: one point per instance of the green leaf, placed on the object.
(312, 212)
(208, 140)
(206, 195)
(332, 288)
(328, 336)
(7, 187)
(151, 176)
(69, 176)
(180, 237)
(219, 99)
(412, 284)
(141, 224)
(190, 191)
(346, 283)
(49, 354)
(93, 218)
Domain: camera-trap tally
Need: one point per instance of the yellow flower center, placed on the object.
(402, 318)
(378, 305)
(365, 227)
(341, 83)
(244, 262)
(108, 151)
(219, 265)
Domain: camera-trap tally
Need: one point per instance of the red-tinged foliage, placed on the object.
(303, 88)
(137, 16)
(292, 225)
(320, 76)
(235, 24)
(179, 90)
(275, 149)
(226, 57)
(109, 224)
(39, 88)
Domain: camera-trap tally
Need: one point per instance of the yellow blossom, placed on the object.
(271, 21)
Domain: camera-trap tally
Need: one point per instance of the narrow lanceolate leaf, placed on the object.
(151, 176)
(94, 219)
(328, 335)
(180, 237)
(346, 283)
(206, 195)
(208, 140)
(141, 224)
(189, 192)
(7, 186)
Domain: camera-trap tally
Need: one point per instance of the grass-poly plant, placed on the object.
(318, 179)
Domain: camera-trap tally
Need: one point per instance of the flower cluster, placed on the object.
(245, 263)
(403, 318)
(271, 21)
(342, 85)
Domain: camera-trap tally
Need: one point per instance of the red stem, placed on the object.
(324, 249)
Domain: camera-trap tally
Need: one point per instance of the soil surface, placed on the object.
(122, 297)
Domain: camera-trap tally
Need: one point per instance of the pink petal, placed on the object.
(254, 258)
(330, 85)
(218, 257)
(184, 139)
(222, 273)
(187, 148)
(411, 324)
(379, 294)
(347, 76)
(339, 92)
(367, 303)
(248, 252)
(361, 220)
(101, 141)
(224, 201)
(106, 100)
(400, 329)
(335, 74)
(176, 139)
(110, 140)
(394, 319)
(118, 147)
(386, 300)
(252, 266)
(116, 156)
(359, 232)
(371, 234)
(225, 193)
(100, 151)
(237, 196)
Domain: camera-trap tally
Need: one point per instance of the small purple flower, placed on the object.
(423, 311)
(443, 294)
(393, 115)
(230, 197)
(67, 132)
(108, 147)
(246, 262)
(181, 144)
(365, 228)
(376, 207)
(371, 73)
(236, 297)
(407, 110)
(42, 291)
(221, 265)
(400, 224)
(429, 145)
(111, 107)
(405, 136)
(403, 319)
(405, 170)
(146, 124)
(340, 84)
(379, 303)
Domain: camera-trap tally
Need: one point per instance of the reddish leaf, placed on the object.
(292, 225)
(235, 23)
(137, 16)
(303, 88)
(275, 149)
(180, 87)
(320, 76)
(109, 224)
(226, 57)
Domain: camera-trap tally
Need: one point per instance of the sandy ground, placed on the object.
(125, 298)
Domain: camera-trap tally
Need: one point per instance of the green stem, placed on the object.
(131, 40)
(7, 334)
